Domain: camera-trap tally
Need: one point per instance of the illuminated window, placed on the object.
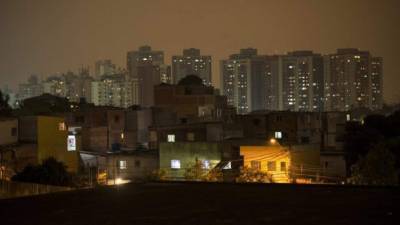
(348, 117)
(71, 143)
(278, 134)
(122, 164)
(62, 127)
(171, 137)
(271, 166)
(175, 164)
(255, 164)
(283, 166)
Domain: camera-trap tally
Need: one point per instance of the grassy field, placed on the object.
(192, 204)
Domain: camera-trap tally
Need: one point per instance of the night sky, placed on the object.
(50, 36)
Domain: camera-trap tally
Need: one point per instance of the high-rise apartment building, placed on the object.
(300, 81)
(30, 89)
(353, 80)
(143, 55)
(104, 67)
(191, 63)
(243, 80)
(285, 82)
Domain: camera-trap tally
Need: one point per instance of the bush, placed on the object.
(376, 168)
(248, 174)
(51, 172)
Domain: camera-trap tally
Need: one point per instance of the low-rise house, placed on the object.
(131, 166)
(283, 165)
(42, 137)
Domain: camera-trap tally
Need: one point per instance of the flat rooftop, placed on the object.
(202, 203)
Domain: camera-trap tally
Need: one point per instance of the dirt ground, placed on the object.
(202, 204)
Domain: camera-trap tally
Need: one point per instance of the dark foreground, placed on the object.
(202, 204)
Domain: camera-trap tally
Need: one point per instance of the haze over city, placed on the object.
(47, 37)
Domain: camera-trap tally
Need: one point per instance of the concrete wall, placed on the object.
(52, 142)
(8, 131)
(187, 153)
(139, 166)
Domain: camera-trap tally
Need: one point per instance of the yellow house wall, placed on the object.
(52, 142)
(264, 154)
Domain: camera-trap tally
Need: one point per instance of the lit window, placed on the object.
(175, 164)
(171, 137)
(71, 143)
(278, 134)
(271, 166)
(122, 164)
(62, 127)
(283, 166)
(348, 117)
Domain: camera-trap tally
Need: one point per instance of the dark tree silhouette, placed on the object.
(50, 172)
(5, 109)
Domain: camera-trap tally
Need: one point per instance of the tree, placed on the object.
(5, 109)
(248, 174)
(376, 168)
(195, 171)
(50, 172)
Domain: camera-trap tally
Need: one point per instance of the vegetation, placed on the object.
(5, 109)
(378, 138)
(248, 174)
(157, 175)
(197, 172)
(51, 172)
(376, 168)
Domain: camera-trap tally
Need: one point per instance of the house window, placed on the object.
(14, 131)
(190, 136)
(278, 134)
(175, 164)
(71, 143)
(137, 163)
(255, 164)
(171, 138)
(122, 164)
(283, 166)
(271, 166)
(62, 127)
(205, 164)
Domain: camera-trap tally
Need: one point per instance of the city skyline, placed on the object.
(77, 34)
